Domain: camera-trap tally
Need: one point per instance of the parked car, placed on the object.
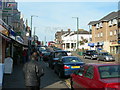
(54, 57)
(105, 56)
(95, 76)
(67, 65)
(91, 54)
(46, 56)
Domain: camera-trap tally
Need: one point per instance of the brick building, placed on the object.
(105, 33)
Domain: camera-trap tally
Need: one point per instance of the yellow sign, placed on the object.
(75, 66)
(3, 30)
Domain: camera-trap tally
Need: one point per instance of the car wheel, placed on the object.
(91, 57)
(98, 59)
(84, 57)
(104, 60)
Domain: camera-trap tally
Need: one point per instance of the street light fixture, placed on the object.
(77, 29)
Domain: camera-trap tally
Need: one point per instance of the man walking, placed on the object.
(32, 73)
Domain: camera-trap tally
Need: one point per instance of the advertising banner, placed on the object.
(12, 5)
(0, 4)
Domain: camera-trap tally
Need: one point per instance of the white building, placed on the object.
(69, 40)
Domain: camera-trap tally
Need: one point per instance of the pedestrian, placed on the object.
(32, 73)
(24, 56)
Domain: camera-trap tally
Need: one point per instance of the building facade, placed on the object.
(69, 40)
(105, 33)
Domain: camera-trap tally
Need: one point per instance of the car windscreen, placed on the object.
(71, 59)
(111, 71)
(106, 54)
(60, 54)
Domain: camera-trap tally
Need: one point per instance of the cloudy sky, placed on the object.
(54, 16)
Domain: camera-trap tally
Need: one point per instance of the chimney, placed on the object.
(68, 30)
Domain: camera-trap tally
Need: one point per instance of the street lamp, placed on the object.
(77, 29)
(31, 34)
(31, 24)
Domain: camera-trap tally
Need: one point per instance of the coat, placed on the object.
(32, 73)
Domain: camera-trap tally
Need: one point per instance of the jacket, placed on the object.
(32, 72)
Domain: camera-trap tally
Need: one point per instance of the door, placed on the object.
(88, 78)
(77, 78)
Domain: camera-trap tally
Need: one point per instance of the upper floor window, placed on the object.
(110, 23)
(98, 35)
(101, 25)
(101, 34)
(115, 32)
(111, 33)
(97, 26)
(114, 21)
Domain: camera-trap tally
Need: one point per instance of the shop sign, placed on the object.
(12, 5)
(19, 39)
(3, 30)
(13, 37)
(114, 43)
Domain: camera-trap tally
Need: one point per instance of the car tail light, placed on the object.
(112, 86)
(66, 67)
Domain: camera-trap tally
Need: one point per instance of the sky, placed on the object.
(54, 16)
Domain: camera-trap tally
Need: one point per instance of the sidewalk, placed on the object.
(15, 80)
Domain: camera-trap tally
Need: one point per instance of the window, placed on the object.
(98, 35)
(110, 23)
(101, 25)
(81, 71)
(110, 71)
(114, 21)
(111, 33)
(101, 34)
(115, 32)
(90, 72)
(97, 26)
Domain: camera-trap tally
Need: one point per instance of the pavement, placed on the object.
(49, 81)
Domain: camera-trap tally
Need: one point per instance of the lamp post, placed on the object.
(77, 30)
(30, 35)
(31, 26)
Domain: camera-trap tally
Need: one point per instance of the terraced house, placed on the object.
(105, 33)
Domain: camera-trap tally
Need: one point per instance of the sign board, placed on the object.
(0, 4)
(12, 5)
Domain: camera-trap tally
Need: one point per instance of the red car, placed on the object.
(97, 76)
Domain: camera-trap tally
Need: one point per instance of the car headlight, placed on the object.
(107, 58)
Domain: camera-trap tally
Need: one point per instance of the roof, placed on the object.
(108, 17)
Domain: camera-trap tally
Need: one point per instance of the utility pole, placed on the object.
(77, 31)
(34, 31)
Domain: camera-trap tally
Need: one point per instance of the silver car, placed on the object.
(105, 56)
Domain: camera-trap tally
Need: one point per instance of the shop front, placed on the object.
(114, 48)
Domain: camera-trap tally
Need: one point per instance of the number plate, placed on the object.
(75, 67)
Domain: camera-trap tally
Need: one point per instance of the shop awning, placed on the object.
(91, 44)
(5, 37)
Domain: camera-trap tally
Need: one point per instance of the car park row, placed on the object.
(105, 76)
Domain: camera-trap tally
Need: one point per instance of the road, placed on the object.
(51, 80)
